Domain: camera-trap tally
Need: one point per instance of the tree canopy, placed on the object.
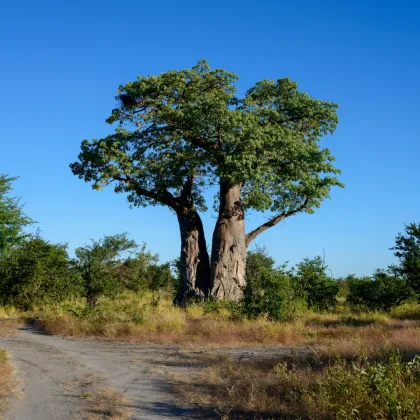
(186, 129)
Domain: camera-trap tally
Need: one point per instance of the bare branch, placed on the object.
(274, 221)
(164, 198)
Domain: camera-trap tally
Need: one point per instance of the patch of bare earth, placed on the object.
(102, 401)
(9, 327)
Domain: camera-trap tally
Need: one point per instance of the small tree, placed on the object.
(12, 218)
(312, 283)
(101, 265)
(407, 249)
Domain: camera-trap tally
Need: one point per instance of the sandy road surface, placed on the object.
(50, 370)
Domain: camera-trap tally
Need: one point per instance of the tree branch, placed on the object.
(274, 221)
(202, 143)
(164, 198)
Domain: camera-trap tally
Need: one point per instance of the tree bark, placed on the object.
(229, 246)
(194, 259)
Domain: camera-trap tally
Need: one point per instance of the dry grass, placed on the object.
(9, 327)
(329, 383)
(205, 332)
(350, 342)
(6, 372)
(137, 321)
(102, 402)
(312, 388)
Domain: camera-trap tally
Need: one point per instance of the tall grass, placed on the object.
(147, 318)
(141, 318)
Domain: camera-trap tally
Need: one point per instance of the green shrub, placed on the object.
(142, 272)
(311, 283)
(370, 390)
(407, 249)
(406, 311)
(381, 292)
(224, 309)
(35, 272)
(268, 290)
(102, 268)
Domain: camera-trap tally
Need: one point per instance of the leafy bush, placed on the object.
(36, 272)
(370, 390)
(311, 283)
(102, 267)
(268, 290)
(406, 311)
(143, 272)
(382, 291)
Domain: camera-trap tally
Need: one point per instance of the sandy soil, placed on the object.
(51, 370)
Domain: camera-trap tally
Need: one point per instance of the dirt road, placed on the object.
(54, 375)
(51, 371)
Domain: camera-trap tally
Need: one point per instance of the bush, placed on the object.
(107, 271)
(407, 249)
(102, 268)
(37, 272)
(268, 290)
(311, 283)
(370, 390)
(406, 311)
(380, 292)
(143, 272)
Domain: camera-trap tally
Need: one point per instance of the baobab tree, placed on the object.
(185, 130)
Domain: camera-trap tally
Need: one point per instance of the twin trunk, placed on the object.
(194, 259)
(229, 247)
(226, 279)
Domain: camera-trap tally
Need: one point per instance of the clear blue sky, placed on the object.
(61, 63)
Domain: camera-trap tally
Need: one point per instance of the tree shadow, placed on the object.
(33, 326)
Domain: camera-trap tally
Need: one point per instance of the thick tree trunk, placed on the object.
(229, 247)
(194, 260)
